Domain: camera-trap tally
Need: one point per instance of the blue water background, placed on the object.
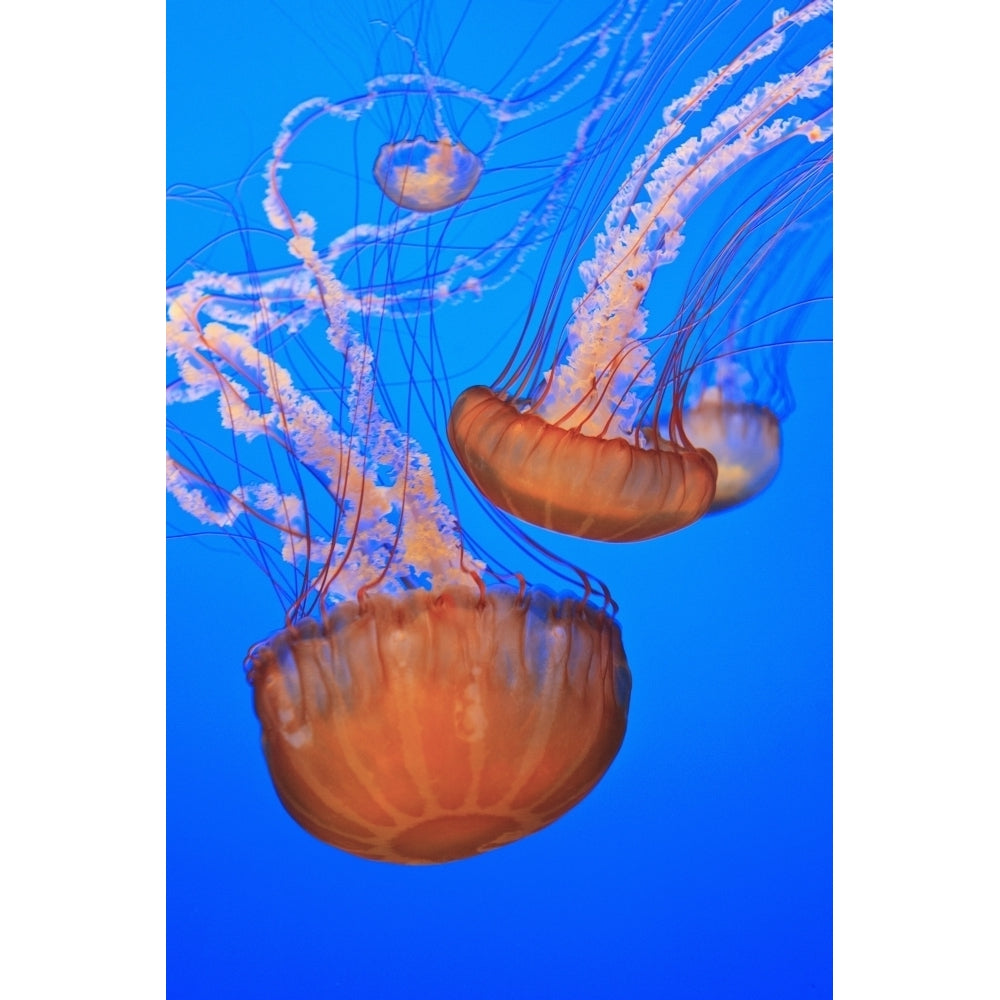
(700, 867)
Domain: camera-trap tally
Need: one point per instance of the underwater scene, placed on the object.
(499, 561)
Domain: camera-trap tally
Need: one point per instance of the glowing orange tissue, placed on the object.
(577, 483)
(429, 727)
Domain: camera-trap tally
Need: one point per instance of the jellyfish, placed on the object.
(743, 438)
(409, 712)
(737, 400)
(452, 202)
(425, 175)
(420, 702)
(585, 430)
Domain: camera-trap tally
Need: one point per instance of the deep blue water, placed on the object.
(700, 867)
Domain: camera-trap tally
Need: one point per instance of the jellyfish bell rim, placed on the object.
(539, 473)
(394, 729)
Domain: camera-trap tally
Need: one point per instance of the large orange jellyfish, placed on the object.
(432, 725)
(581, 434)
(418, 705)
(401, 722)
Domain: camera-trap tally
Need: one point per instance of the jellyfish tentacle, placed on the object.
(609, 372)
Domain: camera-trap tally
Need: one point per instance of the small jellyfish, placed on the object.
(745, 441)
(426, 176)
(737, 399)
(502, 163)
(585, 431)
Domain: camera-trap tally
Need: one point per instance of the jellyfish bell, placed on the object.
(434, 725)
(744, 438)
(580, 484)
(426, 176)
(602, 449)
